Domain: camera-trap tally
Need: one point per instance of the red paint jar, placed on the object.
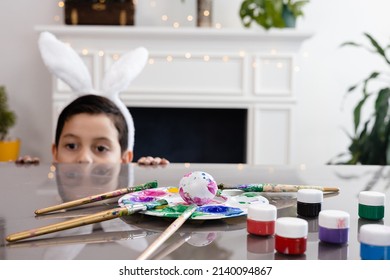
(261, 219)
(291, 235)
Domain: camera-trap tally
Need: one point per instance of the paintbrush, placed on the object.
(168, 232)
(98, 197)
(275, 188)
(86, 220)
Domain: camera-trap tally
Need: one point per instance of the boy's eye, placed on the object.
(101, 148)
(71, 146)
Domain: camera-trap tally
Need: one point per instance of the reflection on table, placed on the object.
(33, 187)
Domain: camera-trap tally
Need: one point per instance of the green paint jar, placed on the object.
(371, 205)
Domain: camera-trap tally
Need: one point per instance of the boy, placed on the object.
(91, 129)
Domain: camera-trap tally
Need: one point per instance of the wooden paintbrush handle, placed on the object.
(82, 201)
(77, 222)
(97, 197)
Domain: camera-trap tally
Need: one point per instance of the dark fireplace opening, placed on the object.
(207, 135)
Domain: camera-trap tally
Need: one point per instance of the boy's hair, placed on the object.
(94, 105)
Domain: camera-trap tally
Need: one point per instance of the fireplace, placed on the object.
(240, 86)
(197, 135)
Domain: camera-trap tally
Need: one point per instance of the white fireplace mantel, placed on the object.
(202, 68)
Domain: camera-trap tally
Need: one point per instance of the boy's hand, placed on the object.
(27, 160)
(152, 161)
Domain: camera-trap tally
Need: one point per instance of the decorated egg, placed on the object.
(197, 188)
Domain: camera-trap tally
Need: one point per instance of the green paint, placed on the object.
(176, 211)
(250, 194)
(253, 188)
(149, 185)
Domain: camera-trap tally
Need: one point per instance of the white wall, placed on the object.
(326, 70)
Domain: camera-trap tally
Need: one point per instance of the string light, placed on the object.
(101, 53)
(61, 4)
(151, 61)
(187, 55)
(84, 52)
(169, 58)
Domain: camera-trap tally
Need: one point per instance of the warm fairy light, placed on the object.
(273, 51)
(176, 24)
(169, 58)
(115, 57)
(206, 58)
(61, 4)
(164, 17)
(240, 166)
(187, 165)
(151, 61)
(57, 18)
(50, 175)
(242, 53)
(187, 55)
(190, 18)
(101, 53)
(218, 25)
(206, 13)
(52, 168)
(225, 58)
(279, 65)
(84, 51)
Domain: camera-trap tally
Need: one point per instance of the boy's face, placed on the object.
(87, 138)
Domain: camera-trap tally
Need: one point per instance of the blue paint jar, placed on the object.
(374, 242)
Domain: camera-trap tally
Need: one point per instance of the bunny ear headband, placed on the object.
(63, 62)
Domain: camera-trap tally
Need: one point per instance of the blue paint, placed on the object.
(220, 209)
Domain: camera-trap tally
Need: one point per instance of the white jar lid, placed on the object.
(310, 196)
(372, 198)
(335, 219)
(291, 227)
(374, 234)
(262, 212)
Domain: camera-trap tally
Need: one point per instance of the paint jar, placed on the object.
(309, 202)
(261, 219)
(371, 205)
(374, 242)
(333, 226)
(291, 235)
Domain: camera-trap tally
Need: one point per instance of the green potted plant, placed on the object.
(370, 143)
(9, 149)
(271, 13)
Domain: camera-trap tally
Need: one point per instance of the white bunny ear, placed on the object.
(119, 77)
(63, 62)
(124, 70)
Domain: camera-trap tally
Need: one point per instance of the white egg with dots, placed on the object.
(198, 188)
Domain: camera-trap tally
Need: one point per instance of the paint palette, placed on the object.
(221, 207)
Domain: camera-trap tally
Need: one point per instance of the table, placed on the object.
(26, 188)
